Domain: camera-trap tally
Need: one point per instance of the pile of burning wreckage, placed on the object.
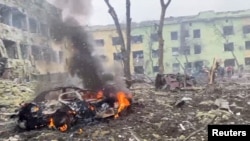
(73, 106)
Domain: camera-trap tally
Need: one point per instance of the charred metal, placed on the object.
(173, 81)
(73, 106)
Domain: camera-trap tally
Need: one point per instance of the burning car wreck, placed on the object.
(73, 106)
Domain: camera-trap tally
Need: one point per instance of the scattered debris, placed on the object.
(182, 127)
(174, 81)
(154, 109)
(199, 130)
(223, 104)
(181, 102)
(76, 106)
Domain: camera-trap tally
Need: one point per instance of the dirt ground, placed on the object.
(154, 117)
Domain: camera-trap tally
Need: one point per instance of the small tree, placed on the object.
(225, 38)
(164, 6)
(125, 48)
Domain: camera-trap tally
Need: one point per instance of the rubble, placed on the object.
(154, 117)
(12, 94)
(174, 82)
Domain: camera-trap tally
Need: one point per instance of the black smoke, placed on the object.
(82, 63)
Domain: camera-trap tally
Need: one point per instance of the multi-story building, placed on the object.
(25, 37)
(189, 42)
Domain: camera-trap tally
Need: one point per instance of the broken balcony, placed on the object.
(11, 49)
(19, 19)
(5, 15)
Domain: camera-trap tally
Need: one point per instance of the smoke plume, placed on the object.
(79, 9)
(81, 63)
(90, 68)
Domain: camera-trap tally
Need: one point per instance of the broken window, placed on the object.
(5, 15)
(60, 56)
(33, 25)
(155, 53)
(247, 61)
(197, 33)
(229, 46)
(176, 67)
(54, 56)
(228, 30)
(188, 65)
(247, 45)
(197, 49)
(156, 69)
(37, 53)
(174, 35)
(175, 51)
(138, 54)
(116, 41)
(154, 37)
(246, 29)
(24, 51)
(11, 49)
(99, 42)
(47, 54)
(136, 39)
(44, 30)
(138, 69)
(18, 19)
(229, 62)
(117, 56)
(186, 51)
(198, 65)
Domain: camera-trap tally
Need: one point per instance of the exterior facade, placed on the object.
(190, 42)
(25, 38)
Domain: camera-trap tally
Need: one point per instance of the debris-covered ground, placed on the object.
(155, 116)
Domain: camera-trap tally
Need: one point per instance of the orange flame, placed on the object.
(51, 123)
(35, 109)
(89, 95)
(91, 107)
(99, 95)
(123, 102)
(63, 128)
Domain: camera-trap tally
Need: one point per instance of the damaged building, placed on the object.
(190, 42)
(25, 39)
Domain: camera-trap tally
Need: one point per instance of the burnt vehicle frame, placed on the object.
(77, 106)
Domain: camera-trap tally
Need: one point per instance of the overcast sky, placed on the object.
(150, 9)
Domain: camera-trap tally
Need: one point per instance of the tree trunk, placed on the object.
(236, 60)
(160, 36)
(128, 32)
(182, 67)
(150, 44)
(124, 52)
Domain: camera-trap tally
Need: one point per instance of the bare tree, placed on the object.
(164, 6)
(225, 38)
(125, 48)
(150, 45)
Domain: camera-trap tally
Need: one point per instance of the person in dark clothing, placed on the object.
(159, 81)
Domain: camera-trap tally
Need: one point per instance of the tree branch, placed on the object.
(117, 24)
(160, 36)
(125, 51)
(162, 3)
(165, 5)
